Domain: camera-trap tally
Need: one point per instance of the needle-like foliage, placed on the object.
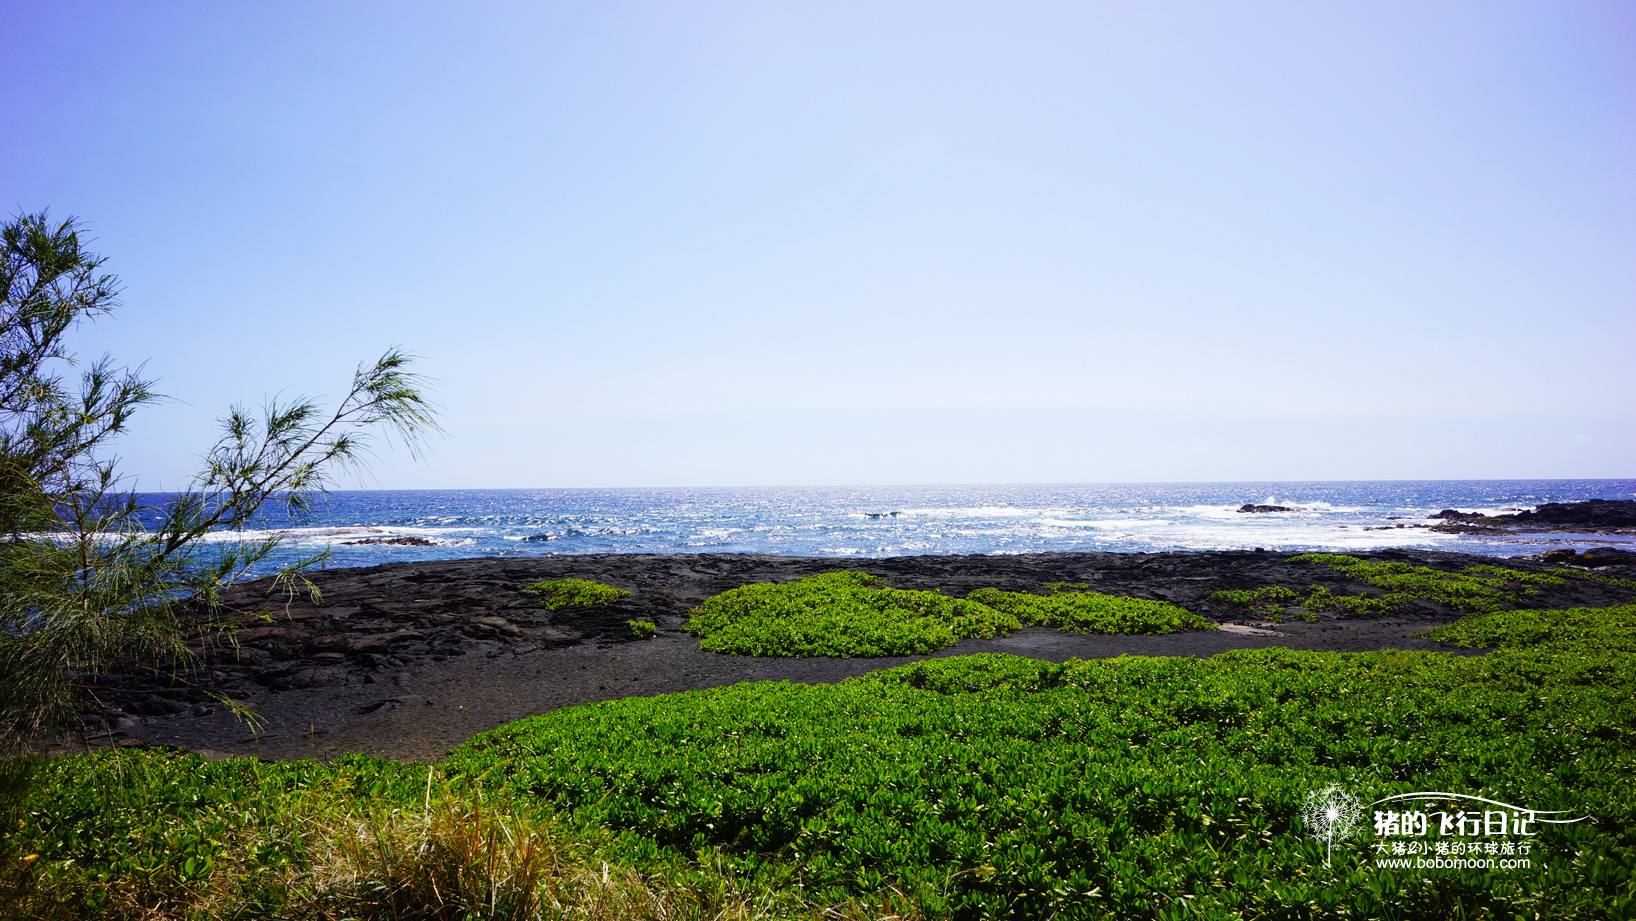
(92, 576)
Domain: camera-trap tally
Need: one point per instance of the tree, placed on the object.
(94, 578)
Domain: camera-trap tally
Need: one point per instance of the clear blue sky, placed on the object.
(813, 243)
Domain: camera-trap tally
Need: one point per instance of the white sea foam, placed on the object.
(1109, 523)
(988, 511)
(967, 519)
(1221, 512)
(312, 535)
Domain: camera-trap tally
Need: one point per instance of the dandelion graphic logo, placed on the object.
(1332, 814)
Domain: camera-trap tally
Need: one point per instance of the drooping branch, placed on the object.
(88, 581)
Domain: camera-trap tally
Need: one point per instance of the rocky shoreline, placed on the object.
(1596, 516)
(406, 660)
(1599, 517)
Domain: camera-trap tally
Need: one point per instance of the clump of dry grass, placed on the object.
(460, 859)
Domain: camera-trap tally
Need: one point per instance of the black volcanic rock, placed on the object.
(1598, 515)
(1594, 558)
(1252, 507)
(1595, 513)
(404, 660)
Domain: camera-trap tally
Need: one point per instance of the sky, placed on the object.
(739, 244)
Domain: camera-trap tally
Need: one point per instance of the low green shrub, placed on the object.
(990, 786)
(970, 787)
(575, 593)
(1475, 588)
(1261, 600)
(1576, 629)
(1090, 612)
(642, 629)
(839, 614)
(167, 835)
(1270, 602)
(845, 614)
(134, 833)
(1602, 577)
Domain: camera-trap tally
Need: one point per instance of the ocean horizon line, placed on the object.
(958, 485)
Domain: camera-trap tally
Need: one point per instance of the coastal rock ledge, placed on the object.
(1606, 516)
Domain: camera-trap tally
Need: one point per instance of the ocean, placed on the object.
(364, 528)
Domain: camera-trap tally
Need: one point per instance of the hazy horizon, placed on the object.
(1631, 483)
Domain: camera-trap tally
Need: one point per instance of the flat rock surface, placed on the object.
(408, 660)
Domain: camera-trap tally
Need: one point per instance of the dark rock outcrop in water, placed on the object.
(1596, 513)
(1252, 507)
(1450, 514)
(390, 541)
(1602, 516)
(407, 659)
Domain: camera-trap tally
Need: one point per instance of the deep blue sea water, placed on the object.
(877, 521)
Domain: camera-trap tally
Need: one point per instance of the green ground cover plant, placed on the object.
(1271, 602)
(1602, 577)
(969, 787)
(166, 835)
(1579, 629)
(839, 614)
(1070, 607)
(1475, 588)
(642, 629)
(847, 614)
(1481, 588)
(557, 594)
(993, 786)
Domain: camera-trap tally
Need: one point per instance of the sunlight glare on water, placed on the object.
(368, 527)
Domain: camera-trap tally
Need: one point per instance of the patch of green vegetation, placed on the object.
(1319, 598)
(575, 593)
(1476, 588)
(990, 786)
(642, 629)
(156, 827)
(971, 787)
(167, 835)
(846, 614)
(839, 614)
(1577, 628)
(1090, 612)
(1058, 587)
(1268, 602)
(1601, 577)
(1480, 588)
